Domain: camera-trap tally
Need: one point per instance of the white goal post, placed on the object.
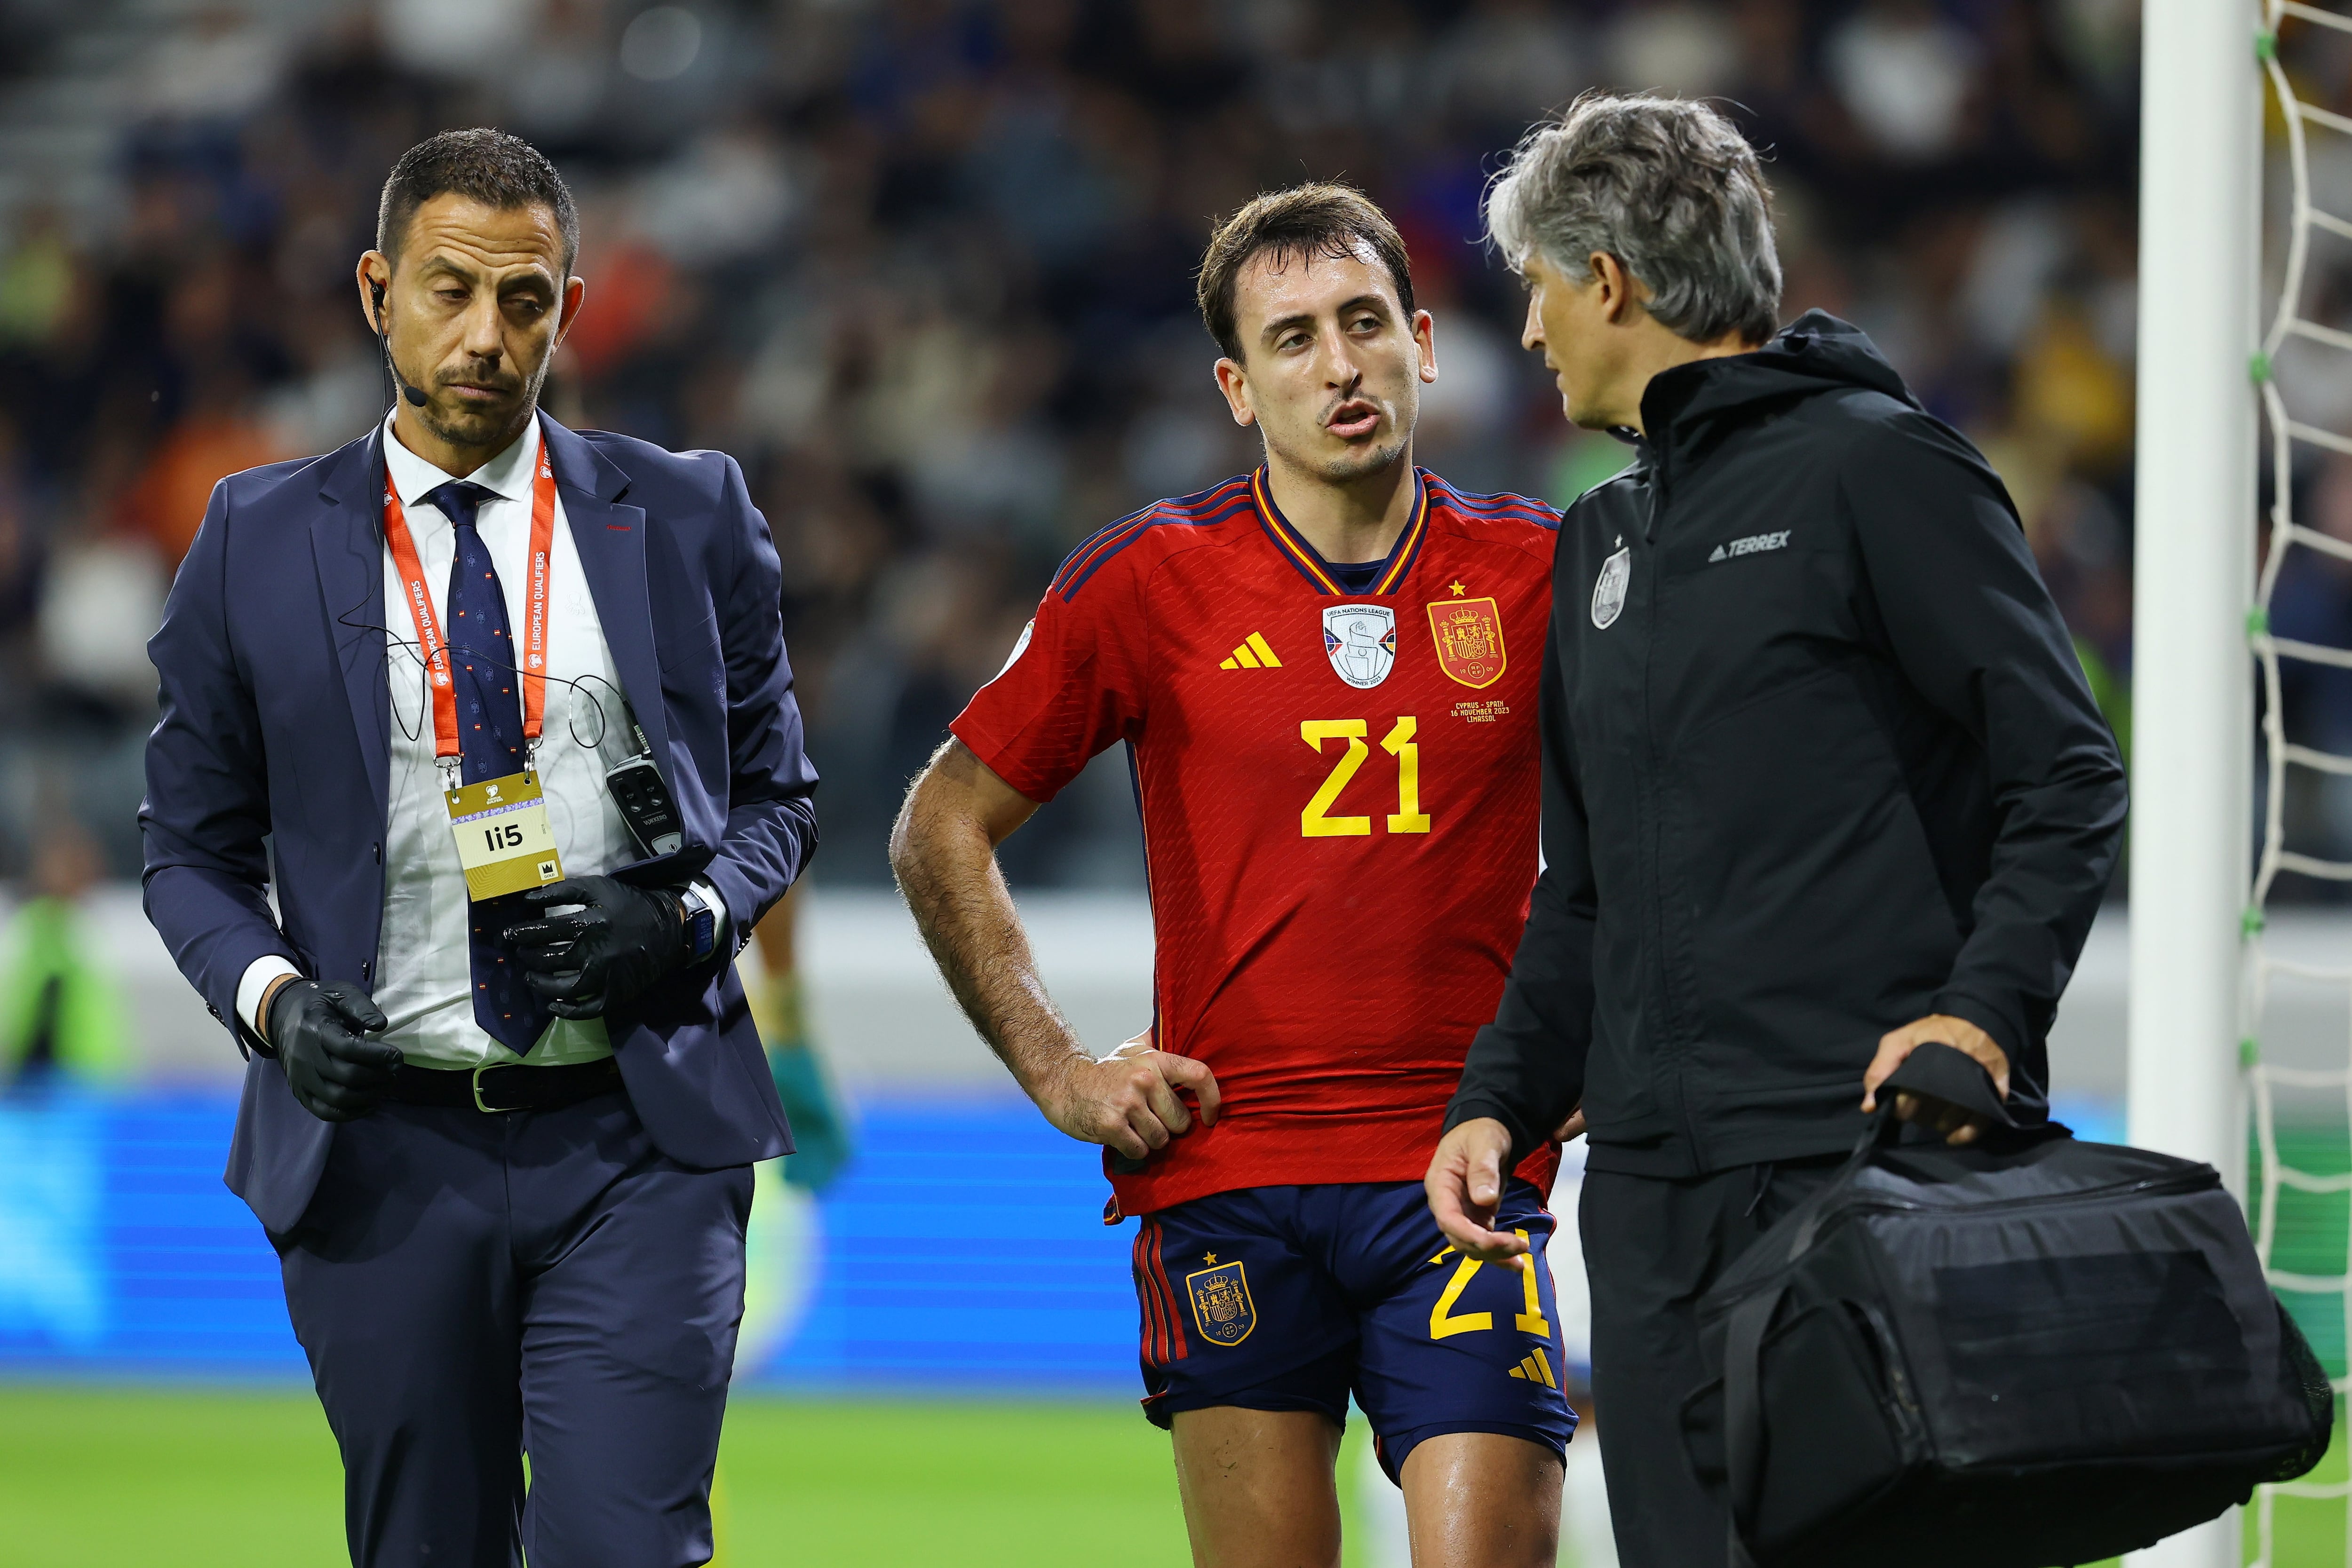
(2192, 711)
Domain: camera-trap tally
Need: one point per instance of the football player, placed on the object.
(1325, 674)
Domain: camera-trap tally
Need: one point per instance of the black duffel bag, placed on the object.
(2024, 1352)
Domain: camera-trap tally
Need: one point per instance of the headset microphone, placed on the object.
(383, 335)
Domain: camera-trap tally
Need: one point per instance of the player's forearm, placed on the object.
(947, 870)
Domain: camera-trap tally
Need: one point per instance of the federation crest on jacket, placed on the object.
(1222, 1308)
(1609, 590)
(1361, 641)
(1469, 633)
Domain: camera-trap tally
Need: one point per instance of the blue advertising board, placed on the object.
(963, 1251)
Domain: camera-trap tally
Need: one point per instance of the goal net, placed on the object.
(2301, 1201)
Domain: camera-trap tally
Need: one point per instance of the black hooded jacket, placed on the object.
(1818, 760)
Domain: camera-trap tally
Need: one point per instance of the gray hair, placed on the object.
(1668, 187)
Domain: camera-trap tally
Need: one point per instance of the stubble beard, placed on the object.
(478, 430)
(1351, 466)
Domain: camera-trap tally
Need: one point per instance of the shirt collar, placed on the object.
(1312, 566)
(507, 475)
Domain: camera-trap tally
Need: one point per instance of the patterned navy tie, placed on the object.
(491, 742)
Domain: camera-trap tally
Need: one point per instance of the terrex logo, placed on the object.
(1751, 545)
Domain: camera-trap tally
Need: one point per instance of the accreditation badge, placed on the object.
(504, 842)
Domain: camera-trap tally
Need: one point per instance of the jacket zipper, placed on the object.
(1672, 1055)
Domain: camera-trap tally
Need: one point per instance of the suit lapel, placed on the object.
(347, 551)
(611, 540)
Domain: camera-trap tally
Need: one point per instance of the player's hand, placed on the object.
(1127, 1100)
(1568, 1132)
(1958, 1126)
(319, 1034)
(1464, 1185)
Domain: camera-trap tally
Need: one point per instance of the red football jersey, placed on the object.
(1339, 795)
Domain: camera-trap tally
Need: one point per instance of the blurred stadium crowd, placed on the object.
(924, 267)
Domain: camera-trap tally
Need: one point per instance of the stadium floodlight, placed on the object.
(2192, 729)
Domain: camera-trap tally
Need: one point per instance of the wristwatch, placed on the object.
(702, 925)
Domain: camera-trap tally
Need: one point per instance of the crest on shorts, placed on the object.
(1361, 640)
(1469, 633)
(1609, 592)
(1222, 1308)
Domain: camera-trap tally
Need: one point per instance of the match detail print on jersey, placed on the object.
(1361, 641)
(1609, 590)
(1469, 633)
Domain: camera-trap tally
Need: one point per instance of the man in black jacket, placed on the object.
(1823, 779)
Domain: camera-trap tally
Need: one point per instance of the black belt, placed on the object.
(504, 1085)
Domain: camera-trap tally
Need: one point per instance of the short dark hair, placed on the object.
(491, 167)
(1305, 221)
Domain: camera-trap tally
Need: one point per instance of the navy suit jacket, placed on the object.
(270, 765)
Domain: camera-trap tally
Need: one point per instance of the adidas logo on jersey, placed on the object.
(1536, 1368)
(1255, 654)
(1751, 545)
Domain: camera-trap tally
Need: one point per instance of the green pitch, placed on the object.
(112, 1478)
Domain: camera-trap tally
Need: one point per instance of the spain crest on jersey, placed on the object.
(1361, 641)
(1469, 633)
(1222, 1308)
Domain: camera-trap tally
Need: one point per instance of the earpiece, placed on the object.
(383, 336)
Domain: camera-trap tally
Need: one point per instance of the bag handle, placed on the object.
(1946, 1072)
(1942, 1072)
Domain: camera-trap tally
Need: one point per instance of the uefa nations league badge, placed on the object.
(1609, 593)
(1361, 641)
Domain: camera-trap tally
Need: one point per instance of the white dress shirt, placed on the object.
(424, 966)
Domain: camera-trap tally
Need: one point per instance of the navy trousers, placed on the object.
(470, 1287)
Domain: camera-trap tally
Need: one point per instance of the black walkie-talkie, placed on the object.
(644, 799)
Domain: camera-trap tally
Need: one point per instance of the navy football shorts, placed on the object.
(1289, 1298)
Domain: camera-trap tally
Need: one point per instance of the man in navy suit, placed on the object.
(501, 715)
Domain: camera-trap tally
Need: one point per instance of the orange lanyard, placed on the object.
(446, 748)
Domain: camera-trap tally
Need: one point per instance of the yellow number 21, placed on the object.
(1444, 1323)
(1312, 822)
(1315, 821)
(1409, 818)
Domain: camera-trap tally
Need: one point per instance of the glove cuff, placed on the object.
(279, 1012)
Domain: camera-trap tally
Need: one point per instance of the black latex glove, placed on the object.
(319, 1033)
(621, 940)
